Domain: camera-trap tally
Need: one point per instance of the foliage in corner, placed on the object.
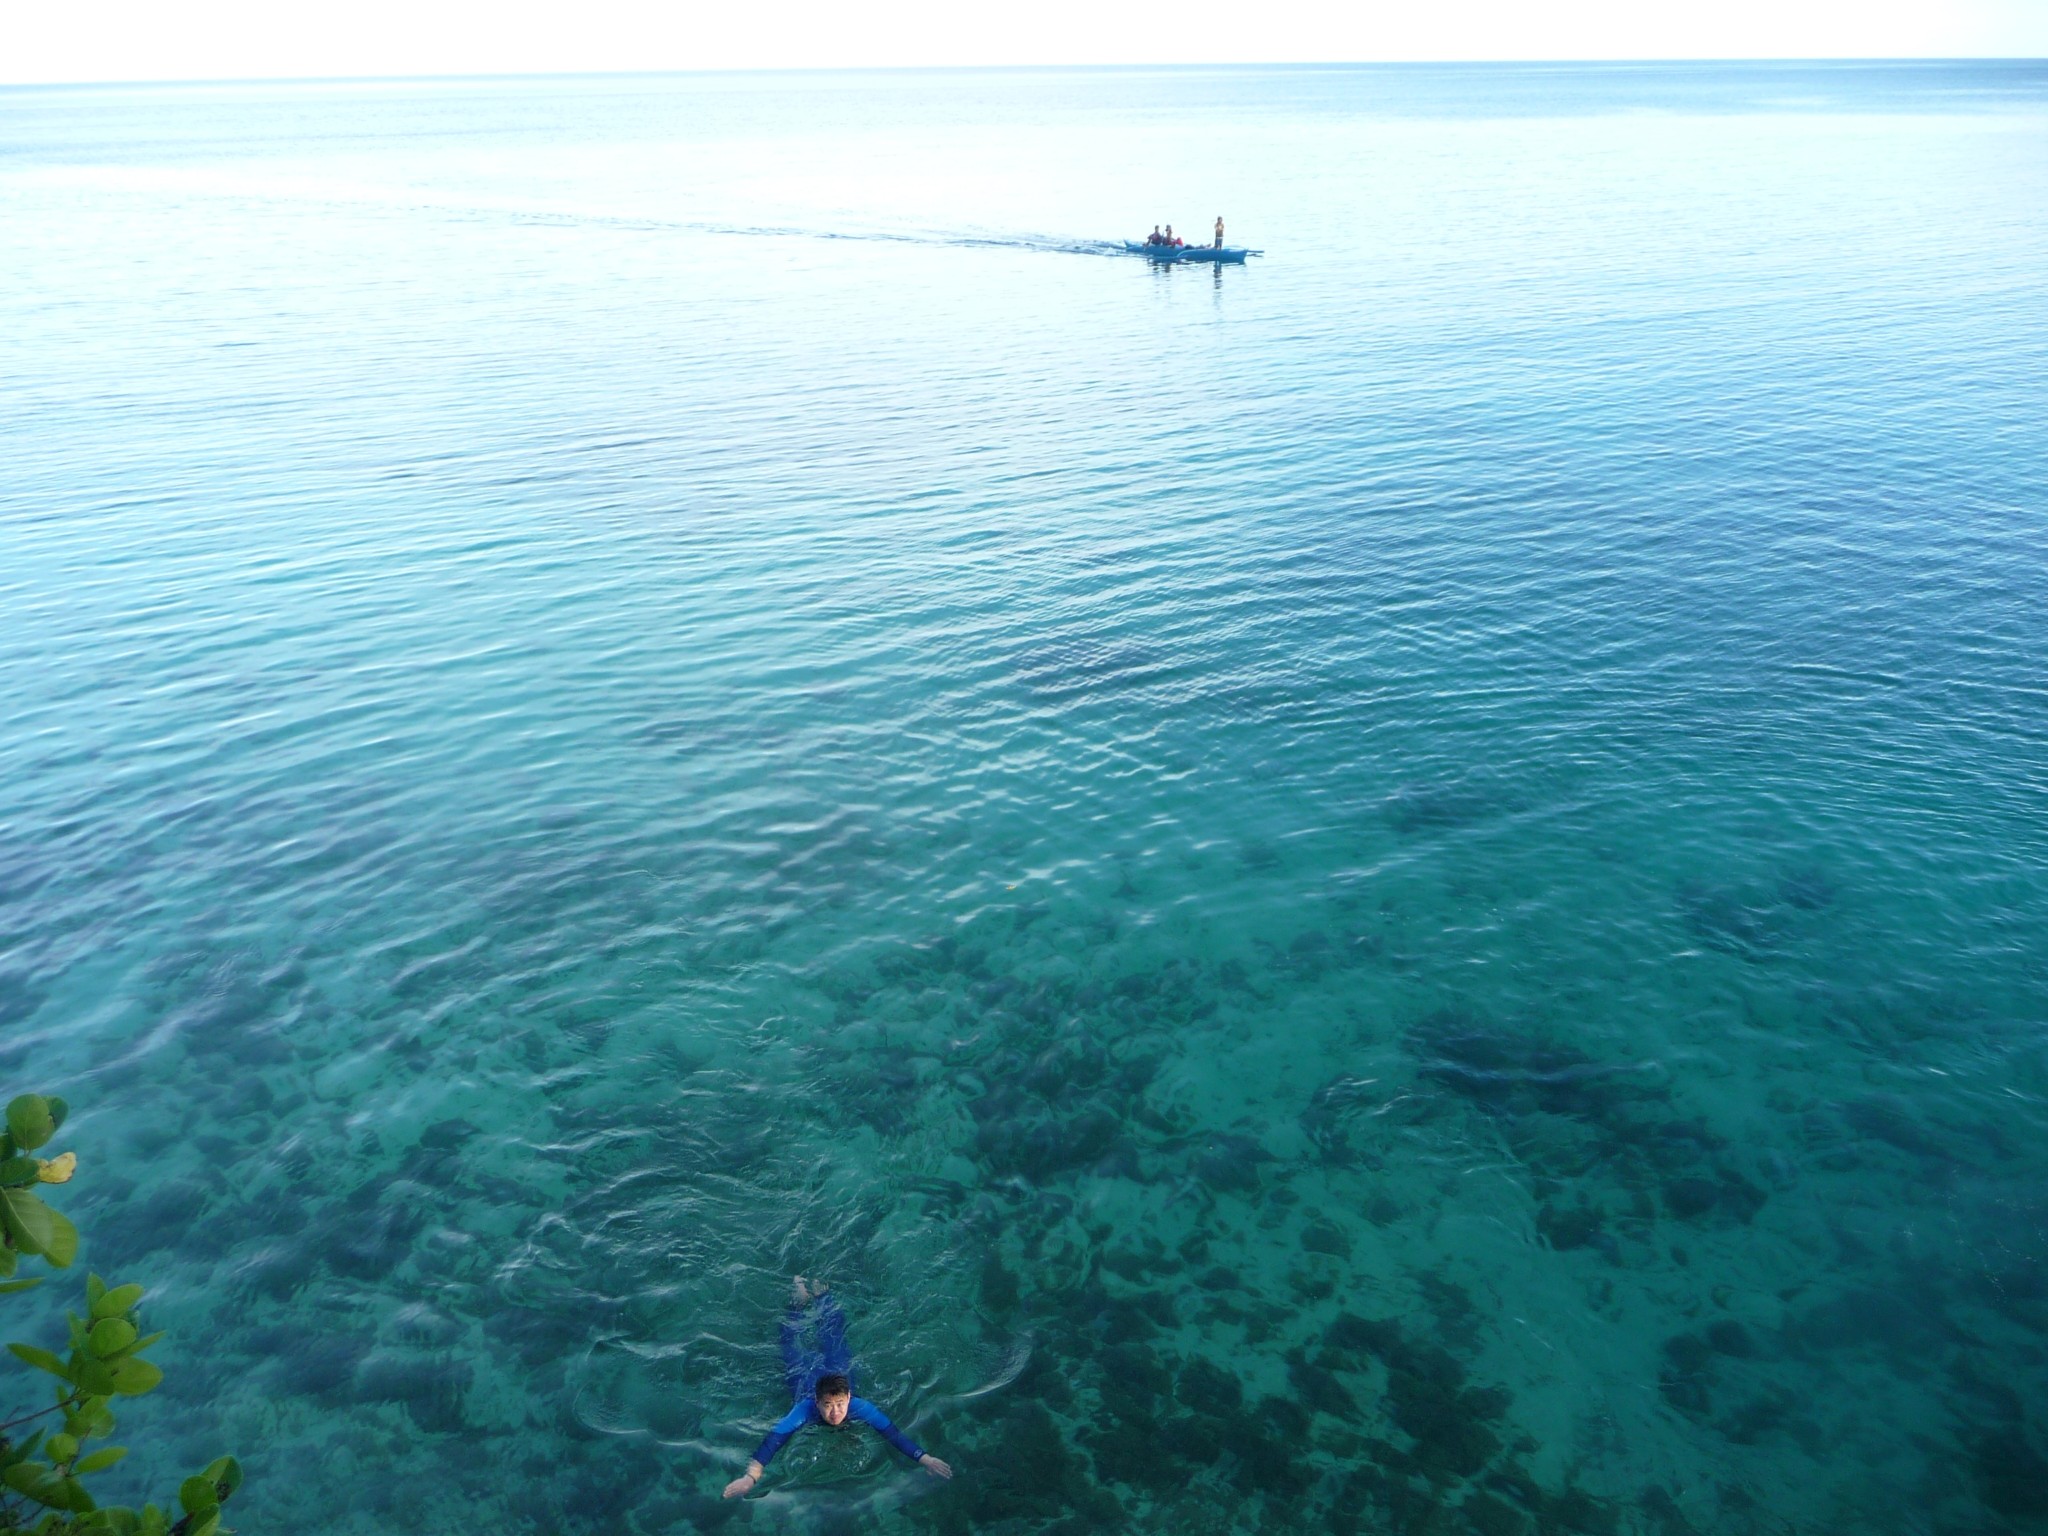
(42, 1488)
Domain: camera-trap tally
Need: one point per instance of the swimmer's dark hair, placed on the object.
(832, 1386)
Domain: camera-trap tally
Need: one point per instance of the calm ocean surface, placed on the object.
(1401, 889)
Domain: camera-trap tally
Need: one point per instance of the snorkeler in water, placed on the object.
(821, 1381)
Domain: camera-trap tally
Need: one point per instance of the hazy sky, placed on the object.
(57, 40)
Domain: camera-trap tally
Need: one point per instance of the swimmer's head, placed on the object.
(834, 1395)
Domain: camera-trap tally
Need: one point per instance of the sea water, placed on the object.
(1398, 889)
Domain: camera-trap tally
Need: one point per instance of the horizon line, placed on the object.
(446, 77)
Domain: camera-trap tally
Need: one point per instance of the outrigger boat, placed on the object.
(1231, 253)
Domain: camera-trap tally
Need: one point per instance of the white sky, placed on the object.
(80, 40)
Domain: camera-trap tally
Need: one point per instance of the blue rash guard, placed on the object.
(806, 1412)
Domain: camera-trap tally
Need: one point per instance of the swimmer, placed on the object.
(821, 1381)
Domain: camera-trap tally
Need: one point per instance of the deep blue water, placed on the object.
(1397, 890)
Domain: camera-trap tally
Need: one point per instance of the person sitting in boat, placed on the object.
(1219, 231)
(1155, 238)
(1170, 240)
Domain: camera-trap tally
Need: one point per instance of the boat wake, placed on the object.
(302, 193)
(323, 193)
(1057, 245)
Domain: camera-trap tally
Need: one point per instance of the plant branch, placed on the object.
(26, 1417)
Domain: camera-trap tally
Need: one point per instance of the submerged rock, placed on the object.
(321, 1365)
(1230, 1162)
(2012, 1473)
(430, 1388)
(1206, 1386)
(1437, 807)
(1749, 924)
(1807, 887)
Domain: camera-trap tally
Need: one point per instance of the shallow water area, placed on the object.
(1396, 889)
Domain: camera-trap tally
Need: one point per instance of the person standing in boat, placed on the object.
(1219, 231)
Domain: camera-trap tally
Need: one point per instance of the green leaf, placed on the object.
(226, 1476)
(145, 1341)
(110, 1336)
(12, 1239)
(29, 1219)
(205, 1527)
(24, 1475)
(76, 1496)
(114, 1303)
(154, 1522)
(9, 1287)
(63, 1247)
(100, 1460)
(59, 1112)
(41, 1359)
(95, 1288)
(33, 1479)
(61, 1447)
(196, 1496)
(8, 1257)
(30, 1122)
(133, 1377)
(19, 1170)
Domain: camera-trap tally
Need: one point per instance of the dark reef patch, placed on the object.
(320, 1366)
(431, 1388)
(19, 998)
(1441, 806)
(2012, 1473)
(1229, 1162)
(1511, 1073)
(1753, 922)
(1026, 1477)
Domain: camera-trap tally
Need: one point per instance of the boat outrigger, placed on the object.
(1171, 253)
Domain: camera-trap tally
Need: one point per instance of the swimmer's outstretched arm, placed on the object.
(867, 1413)
(805, 1412)
(744, 1483)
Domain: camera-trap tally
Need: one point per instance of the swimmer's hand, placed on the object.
(933, 1465)
(744, 1483)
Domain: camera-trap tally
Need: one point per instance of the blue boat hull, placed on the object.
(1231, 253)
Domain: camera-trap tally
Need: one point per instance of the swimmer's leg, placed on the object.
(832, 1346)
(797, 1371)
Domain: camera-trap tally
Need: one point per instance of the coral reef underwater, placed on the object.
(1142, 1228)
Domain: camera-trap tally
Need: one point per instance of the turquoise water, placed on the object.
(1397, 890)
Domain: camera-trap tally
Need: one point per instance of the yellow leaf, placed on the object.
(57, 1170)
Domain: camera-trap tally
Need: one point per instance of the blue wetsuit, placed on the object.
(801, 1369)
